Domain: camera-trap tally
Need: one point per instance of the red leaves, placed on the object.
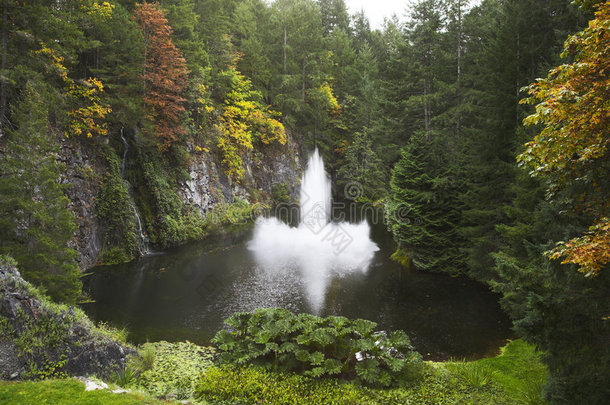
(165, 75)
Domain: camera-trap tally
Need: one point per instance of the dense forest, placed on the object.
(481, 128)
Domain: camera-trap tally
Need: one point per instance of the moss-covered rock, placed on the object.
(51, 339)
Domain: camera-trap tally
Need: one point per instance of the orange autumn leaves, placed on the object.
(574, 107)
(165, 75)
(590, 252)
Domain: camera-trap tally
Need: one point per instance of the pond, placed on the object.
(187, 292)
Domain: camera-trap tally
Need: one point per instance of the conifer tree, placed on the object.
(421, 208)
(165, 75)
(361, 176)
(35, 222)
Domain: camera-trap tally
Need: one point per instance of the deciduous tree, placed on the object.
(572, 150)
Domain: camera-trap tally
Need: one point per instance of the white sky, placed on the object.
(376, 10)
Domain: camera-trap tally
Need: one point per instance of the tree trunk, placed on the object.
(3, 65)
(426, 111)
(303, 80)
(459, 71)
(285, 44)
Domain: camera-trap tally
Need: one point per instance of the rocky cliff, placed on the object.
(269, 174)
(40, 339)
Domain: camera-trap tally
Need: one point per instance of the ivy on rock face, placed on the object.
(277, 339)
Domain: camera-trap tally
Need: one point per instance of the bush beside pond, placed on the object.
(279, 340)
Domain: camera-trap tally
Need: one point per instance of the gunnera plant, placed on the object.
(279, 340)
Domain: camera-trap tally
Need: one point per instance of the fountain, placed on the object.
(318, 248)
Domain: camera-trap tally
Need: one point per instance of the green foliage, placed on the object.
(547, 299)
(361, 176)
(35, 222)
(507, 376)
(145, 360)
(475, 375)
(251, 385)
(243, 122)
(114, 210)
(124, 377)
(236, 213)
(113, 255)
(168, 221)
(49, 369)
(112, 333)
(173, 370)
(333, 346)
(401, 257)
(422, 210)
(280, 193)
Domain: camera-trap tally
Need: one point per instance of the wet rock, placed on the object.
(83, 172)
(208, 185)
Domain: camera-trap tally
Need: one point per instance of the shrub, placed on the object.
(171, 369)
(281, 194)
(124, 377)
(236, 213)
(476, 375)
(279, 340)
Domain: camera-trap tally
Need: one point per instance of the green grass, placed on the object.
(519, 371)
(68, 391)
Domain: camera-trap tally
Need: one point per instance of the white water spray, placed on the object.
(318, 249)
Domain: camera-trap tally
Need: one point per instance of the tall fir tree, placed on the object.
(421, 209)
(35, 222)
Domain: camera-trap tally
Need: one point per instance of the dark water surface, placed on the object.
(186, 293)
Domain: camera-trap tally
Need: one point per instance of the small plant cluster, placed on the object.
(166, 370)
(238, 212)
(277, 339)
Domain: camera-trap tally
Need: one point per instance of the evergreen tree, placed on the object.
(511, 45)
(421, 208)
(554, 306)
(118, 62)
(558, 309)
(334, 15)
(35, 222)
(252, 30)
(361, 175)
